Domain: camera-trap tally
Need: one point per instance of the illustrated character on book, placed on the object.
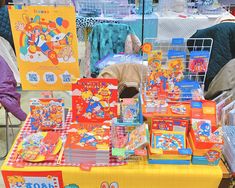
(36, 116)
(163, 125)
(88, 139)
(41, 40)
(16, 181)
(98, 103)
(93, 137)
(204, 129)
(213, 155)
(47, 115)
(94, 104)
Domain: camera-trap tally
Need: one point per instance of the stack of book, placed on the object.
(229, 146)
(88, 143)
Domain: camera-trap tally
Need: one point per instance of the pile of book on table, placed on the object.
(88, 143)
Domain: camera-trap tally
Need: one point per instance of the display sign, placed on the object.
(51, 179)
(46, 46)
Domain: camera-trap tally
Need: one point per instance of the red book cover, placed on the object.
(94, 99)
(89, 136)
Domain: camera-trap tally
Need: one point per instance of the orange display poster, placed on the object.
(46, 46)
(50, 179)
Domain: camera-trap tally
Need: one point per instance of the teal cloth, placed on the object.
(5, 27)
(107, 38)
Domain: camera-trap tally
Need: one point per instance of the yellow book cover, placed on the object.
(46, 46)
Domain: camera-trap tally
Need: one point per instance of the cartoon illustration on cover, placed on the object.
(137, 138)
(46, 46)
(129, 108)
(94, 100)
(42, 40)
(89, 136)
(16, 181)
(202, 129)
(169, 141)
(47, 113)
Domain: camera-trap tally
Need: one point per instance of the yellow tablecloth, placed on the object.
(137, 175)
(134, 175)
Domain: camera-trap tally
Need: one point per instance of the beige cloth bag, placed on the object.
(127, 74)
(224, 80)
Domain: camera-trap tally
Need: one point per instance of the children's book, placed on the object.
(221, 97)
(94, 100)
(138, 138)
(170, 124)
(88, 143)
(89, 136)
(47, 113)
(199, 61)
(220, 106)
(232, 117)
(225, 113)
(129, 110)
(204, 110)
(202, 129)
(168, 140)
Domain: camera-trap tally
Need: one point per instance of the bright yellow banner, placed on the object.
(46, 46)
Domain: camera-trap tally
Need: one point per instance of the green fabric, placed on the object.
(107, 38)
(223, 49)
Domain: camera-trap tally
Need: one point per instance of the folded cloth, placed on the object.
(109, 38)
(9, 98)
(127, 74)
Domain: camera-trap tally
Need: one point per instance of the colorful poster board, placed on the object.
(50, 179)
(46, 46)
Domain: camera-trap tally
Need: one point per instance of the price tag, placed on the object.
(85, 167)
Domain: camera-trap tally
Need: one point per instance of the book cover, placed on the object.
(221, 97)
(168, 140)
(220, 106)
(94, 100)
(225, 113)
(170, 124)
(232, 117)
(202, 129)
(137, 138)
(129, 110)
(89, 137)
(47, 113)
